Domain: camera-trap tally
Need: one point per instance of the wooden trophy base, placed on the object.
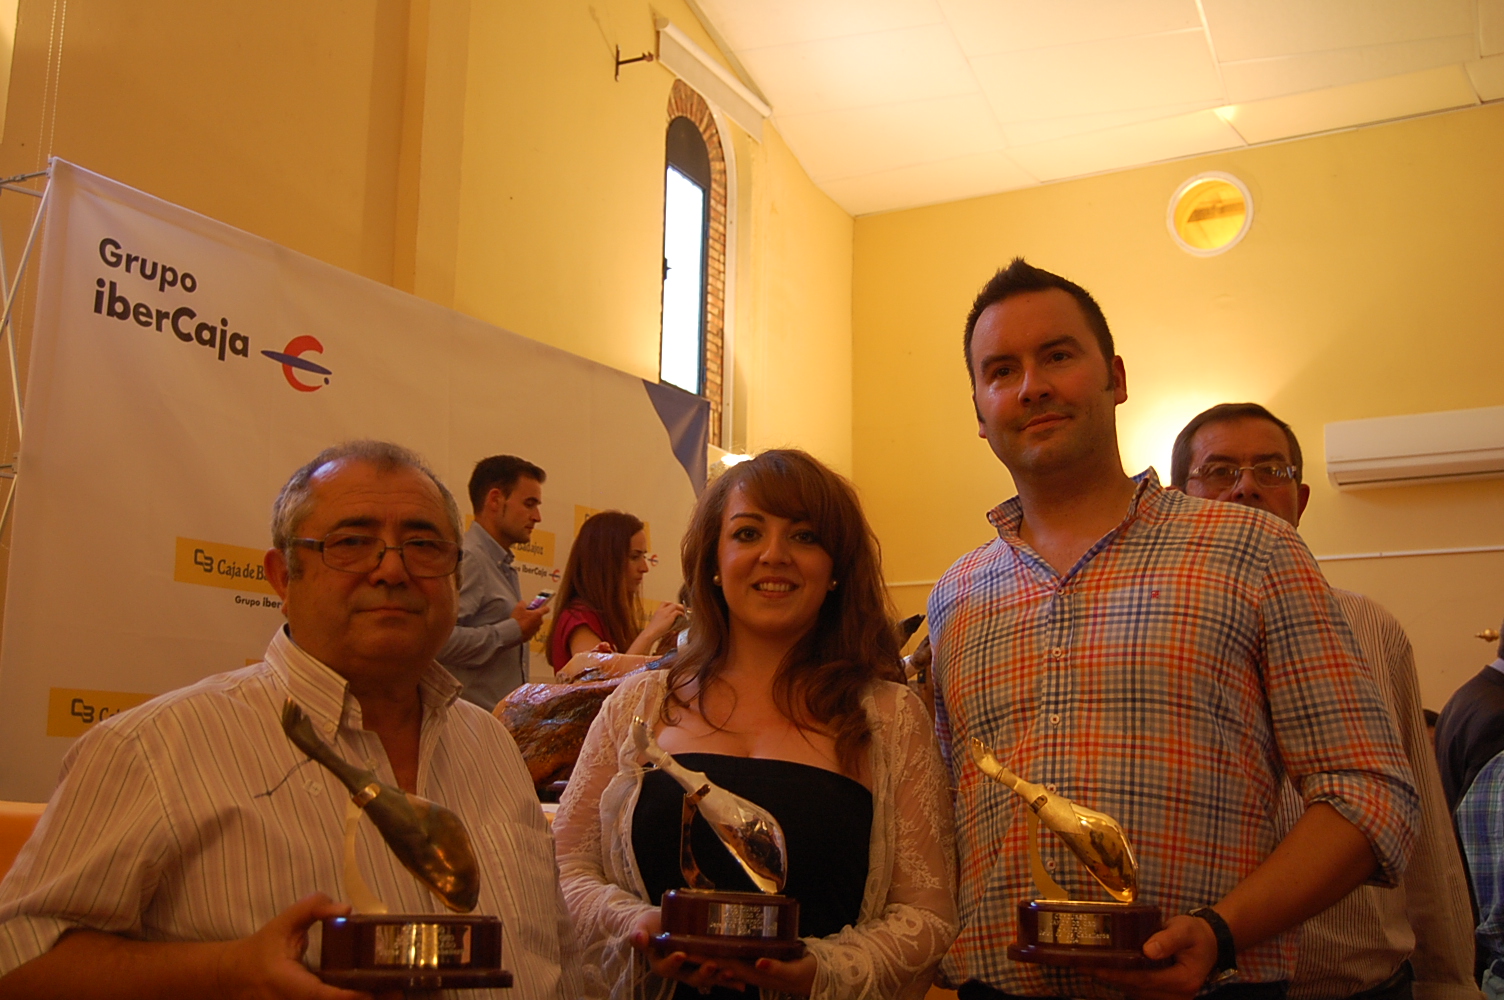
(383, 952)
(1068, 932)
(744, 925)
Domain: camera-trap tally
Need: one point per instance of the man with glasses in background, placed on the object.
(190, 846)
(1241, 453)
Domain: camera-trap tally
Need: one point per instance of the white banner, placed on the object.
(181, 370)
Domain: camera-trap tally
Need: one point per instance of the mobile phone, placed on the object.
(544, 596)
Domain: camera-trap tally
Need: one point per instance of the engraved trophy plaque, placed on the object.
(703, 921)
(376, 951)
(1058, 930)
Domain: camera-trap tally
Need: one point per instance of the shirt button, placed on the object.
(1055, 719)
(1057, 652)
(1051, 788)
(1050, 864)
(314, 788)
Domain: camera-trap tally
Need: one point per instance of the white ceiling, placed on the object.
(896, 103)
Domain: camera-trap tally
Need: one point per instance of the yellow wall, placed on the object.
(560, 220)
(479, 154)
(794, 374)
(1369, 285)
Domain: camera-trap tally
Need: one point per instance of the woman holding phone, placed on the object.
(600, 594)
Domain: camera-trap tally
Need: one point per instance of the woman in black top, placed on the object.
(785, 693)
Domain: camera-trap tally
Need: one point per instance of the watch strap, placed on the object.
(1227, 949)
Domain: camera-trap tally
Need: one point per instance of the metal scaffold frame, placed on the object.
(9, 286)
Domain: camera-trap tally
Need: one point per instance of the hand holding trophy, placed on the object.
(1057, 930)
(374, 951)
(705, 922)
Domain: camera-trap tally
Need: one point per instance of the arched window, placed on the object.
(694, 252)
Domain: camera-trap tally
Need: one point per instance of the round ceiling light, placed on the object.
(1210, 213)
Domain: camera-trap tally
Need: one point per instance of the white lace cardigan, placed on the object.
(908, 914)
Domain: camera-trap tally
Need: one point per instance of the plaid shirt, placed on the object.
(1191, 658)
(1480, 824)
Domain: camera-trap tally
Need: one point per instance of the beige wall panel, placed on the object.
(795, 305)
(281, 118)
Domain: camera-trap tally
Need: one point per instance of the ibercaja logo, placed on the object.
(291, 358)
(159, 280)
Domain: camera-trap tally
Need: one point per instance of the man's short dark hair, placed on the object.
(1020, 277)
(1180, 457)
(500, 472)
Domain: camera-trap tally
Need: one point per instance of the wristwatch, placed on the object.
(1226, 968)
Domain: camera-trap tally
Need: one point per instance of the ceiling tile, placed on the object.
(1487, 75)
(1354, 104)
(987, 27)
(1257, 79)
(1257, 29)
(1098, 77)
(885, 67)
(1491, 27)
(928, 184)
(1044, 129)
(832, 144)
(754, 24)
(1127, 146)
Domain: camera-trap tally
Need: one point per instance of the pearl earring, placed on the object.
(716, 579)
(833, 584)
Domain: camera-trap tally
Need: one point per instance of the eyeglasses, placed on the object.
(355, 553)
(1221, 475)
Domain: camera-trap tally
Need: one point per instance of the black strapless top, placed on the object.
(827, 824)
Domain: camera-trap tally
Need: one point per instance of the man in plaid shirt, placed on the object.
(1158, 658)
(1480, 824)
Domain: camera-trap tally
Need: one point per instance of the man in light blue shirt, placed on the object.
(488, 650)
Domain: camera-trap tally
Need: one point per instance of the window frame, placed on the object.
(715, 381)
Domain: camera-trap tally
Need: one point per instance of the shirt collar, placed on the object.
(325, 695)
(488, 544)
(1498, 664)
(1008, 517)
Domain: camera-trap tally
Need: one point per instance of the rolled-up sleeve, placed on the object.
(1335, 735)
(95, 856)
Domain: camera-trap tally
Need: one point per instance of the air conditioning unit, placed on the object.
(1450, 446)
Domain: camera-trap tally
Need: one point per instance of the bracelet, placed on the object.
(1227, 949)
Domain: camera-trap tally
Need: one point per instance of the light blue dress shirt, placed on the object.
(486, 653)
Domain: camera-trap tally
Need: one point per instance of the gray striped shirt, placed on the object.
(193, 818)
(1360, 942)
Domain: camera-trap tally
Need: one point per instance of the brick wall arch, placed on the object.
(683, 102)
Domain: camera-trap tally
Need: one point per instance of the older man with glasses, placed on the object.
(190, 846)
(1373, 942)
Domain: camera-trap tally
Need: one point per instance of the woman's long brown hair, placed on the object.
(819, 685)
(596, 573)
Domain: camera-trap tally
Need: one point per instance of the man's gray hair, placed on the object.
(295, 500)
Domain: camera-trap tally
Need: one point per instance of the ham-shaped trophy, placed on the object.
(1058, 930)
(376, 951)
(702, 921)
